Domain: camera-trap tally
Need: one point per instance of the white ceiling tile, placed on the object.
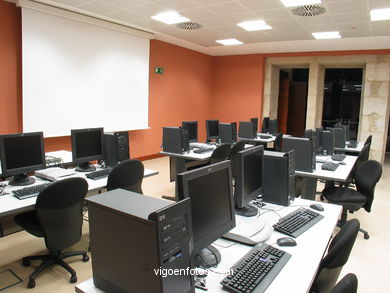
(350, 27)
(351, 17)
(176, 5)
(380, 32)
(125, 15)
(214, 21)
(99, 7)
(273, 14)
(384, 24)
(237, 18)
(127, 3)
(198, 13)
(72, 2)
(147, 9)
(227, 8)
(376, 4)
(354, 34)
(208, 2)
(263, 4)
(347, 6)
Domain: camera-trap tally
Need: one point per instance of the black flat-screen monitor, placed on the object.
(212, 129)
(20, 154)
(212, 208)
(305, 159)
(247, 170)
(265, 125)
(192, 127)
(87, 145)
(255, 122)
(273, 126)
(246, 130)
(226, 132)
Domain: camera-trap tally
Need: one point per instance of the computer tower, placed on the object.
(339, 134)
(136, 240)
(246, 130)
(116, 147)
(234, 131)
(279, 177)
(265, 125)
(175, 140)
(228, 132)
(273, 126)
(305, 156)
(328, 142)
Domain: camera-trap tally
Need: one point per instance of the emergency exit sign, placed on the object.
(159, 70)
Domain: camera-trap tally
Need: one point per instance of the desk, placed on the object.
(299, 272)
(347, 149)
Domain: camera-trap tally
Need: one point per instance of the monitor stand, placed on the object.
(21, 180)
(247, 211)
(208, 257)
(85, 167)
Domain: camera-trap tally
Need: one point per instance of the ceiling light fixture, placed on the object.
(255, 25)
(327, 35)
(380, 14)
(170, 17)
(229, 42)
(291, 3)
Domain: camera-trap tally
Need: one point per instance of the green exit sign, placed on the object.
(159, 70)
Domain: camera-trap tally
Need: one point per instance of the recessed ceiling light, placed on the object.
(255, 25)
(229, 42)
(326, 35)
(291, 3)
(380, 14)
(170, 17)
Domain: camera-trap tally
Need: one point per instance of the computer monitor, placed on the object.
(192, 127)
(265, 125)
(273, 126)
(255, 122)
(20, 154)
(305, 159)
(246, 130)
(339, 136)
(247, 170)
(228, 132)
(212, 129)
(87, 145)
(212, 208)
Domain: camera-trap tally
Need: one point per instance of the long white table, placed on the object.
(348, 149)
(299, 272)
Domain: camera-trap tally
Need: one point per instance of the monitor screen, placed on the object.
(246, 130)
(247, 169)
(87, 145)
(255, 122)
(22, 153)
(212, 129)
(212, 207)
(192, 127)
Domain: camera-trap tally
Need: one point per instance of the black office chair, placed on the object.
(338, 253)
(367, 176)
(368, 140)
(237, 147)
(348, 284)
(278, 142)
(58, 218)
(127, 175)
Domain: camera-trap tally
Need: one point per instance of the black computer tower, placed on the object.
(175, 140)
(305, 156)
(136, 239)
(265, 125)
(278, 177)
(246, 130)
(328, 142)
(339, 135)
(228, 132)
(116, 147)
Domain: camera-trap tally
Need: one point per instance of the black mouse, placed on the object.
(317, 207)
(286, 241)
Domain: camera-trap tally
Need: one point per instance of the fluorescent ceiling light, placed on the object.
(255, 25)
(380, 14)
(291, 3)
(228, 42)
(170, 17)
(326, 35)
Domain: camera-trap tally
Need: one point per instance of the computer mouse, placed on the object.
(317, 207)
(286, 241)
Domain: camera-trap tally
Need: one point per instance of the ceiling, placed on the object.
(219, 20)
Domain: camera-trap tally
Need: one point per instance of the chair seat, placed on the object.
(29, 222)
(347, 197)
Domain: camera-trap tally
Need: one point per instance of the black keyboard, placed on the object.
(352, 144)
(256, 270)
(202, 150)
(338, 157)
(264, 136)
(329, 166)
(30, 191)
(99, 174)
(297, 222)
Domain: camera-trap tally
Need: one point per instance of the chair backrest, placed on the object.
(368, 140)
(337, 256)
(348, 284)
(367, 176)
(221, 153)
(237, 147)
(362, 157)
(278, 142)
(127, 175)
(59, 208)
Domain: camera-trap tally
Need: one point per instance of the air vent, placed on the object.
(308, 10)
(189, 25)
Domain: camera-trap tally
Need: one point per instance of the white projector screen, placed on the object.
(79, 75)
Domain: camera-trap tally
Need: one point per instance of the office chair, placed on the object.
(368, 140)
(367, 176)
(338, 253)
(237, 147)
(58, 218)
(127, 175)
(348, 284)
(277, 143)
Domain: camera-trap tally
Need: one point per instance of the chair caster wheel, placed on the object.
(73, 279)
(31, 284)
(85, 258)
(366, 236)
(26, 263)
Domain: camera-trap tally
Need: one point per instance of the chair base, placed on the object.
(343, 220)
(51, 259)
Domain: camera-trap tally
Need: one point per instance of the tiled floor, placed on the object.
(370, 259)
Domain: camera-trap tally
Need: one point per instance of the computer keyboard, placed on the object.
(202, 150)
(99, 174)
(264, 136)
(256, 270)
(338, 157)
(329, 166)
(352, 144)
(30, 191)
(297, 222)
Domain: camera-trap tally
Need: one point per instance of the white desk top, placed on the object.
(299, 272)
(347, 149)
(258, 139)
(340, 174)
